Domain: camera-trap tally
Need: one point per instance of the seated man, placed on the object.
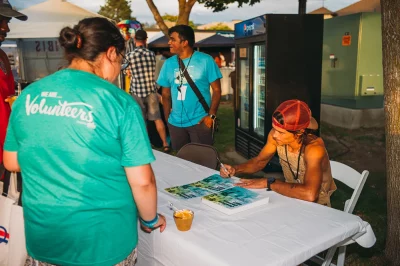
(302, 155)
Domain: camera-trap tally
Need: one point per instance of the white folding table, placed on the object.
(286, 231)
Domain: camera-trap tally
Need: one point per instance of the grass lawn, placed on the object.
(225, 137)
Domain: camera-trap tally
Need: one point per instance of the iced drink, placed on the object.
(183, 219)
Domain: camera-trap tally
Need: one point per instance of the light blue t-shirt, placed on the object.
(74, 133)
(186, 109)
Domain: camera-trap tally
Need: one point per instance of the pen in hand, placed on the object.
(223, 166)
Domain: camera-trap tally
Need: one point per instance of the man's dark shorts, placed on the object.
(150, 106)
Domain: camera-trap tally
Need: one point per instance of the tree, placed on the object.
(117, 10)
(220, 26)
(174, 18)
(185, 7)
(391, 74)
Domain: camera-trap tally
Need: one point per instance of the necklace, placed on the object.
(298, 162)
(182, 72)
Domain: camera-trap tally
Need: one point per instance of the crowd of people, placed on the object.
(186, 117)
(82, 145)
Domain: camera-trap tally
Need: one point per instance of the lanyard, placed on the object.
(298, 162)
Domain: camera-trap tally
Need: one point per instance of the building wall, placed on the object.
(370, 69)
(341, 79)
(356, 81)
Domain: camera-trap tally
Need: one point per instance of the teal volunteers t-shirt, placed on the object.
(186, 109)
(74, 133)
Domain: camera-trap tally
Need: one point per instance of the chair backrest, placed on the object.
(352, 179)
(202, 154)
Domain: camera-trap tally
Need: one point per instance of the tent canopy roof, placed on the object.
(361, 6)
(321, 10)
(45, 20)
(162, 40)
(216, 41)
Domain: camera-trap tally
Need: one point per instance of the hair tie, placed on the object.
(79, 42)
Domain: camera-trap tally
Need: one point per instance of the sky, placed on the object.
(202, 15)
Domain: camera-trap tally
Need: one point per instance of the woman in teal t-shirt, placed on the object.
(83, 150)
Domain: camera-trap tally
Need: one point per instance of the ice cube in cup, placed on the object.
(183, 219)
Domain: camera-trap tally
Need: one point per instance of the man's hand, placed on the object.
(207, 121)
(231, 171)
(253, 183)
(162, 223)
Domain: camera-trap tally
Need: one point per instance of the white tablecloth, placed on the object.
(284, 232)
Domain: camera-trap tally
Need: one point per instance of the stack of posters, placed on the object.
(220, 194)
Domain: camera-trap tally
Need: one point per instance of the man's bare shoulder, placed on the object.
(315, 148)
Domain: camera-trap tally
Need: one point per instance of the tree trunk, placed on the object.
(391, 74)
(184, 11)
(157, 17)
(302, 7)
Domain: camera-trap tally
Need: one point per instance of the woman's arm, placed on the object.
(144, 190)
(11, 161)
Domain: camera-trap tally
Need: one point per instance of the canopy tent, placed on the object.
(361, 6)
(162, 40)
(216, 40)
(45, 20)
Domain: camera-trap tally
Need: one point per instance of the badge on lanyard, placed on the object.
(182, 93)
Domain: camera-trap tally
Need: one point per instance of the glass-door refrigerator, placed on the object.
(259, 89)
(278, 57)
(244, 92)
(250, 101)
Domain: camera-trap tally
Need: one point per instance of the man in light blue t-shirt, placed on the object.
(187, 119)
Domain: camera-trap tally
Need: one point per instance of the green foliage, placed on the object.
(173, 18)
(117, 10)
(225, 137)
(219, 26)
(170, 17)
(221, 5)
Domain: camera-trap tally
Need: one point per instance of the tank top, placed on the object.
(328, 186)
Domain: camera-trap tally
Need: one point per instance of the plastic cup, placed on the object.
(183, 219)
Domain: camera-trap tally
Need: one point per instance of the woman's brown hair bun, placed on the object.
(89, 38)
(68, 38)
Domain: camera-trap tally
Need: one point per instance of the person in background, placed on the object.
(160, 60)
(187, 120)
(302, 155)
(82, 147)
(217, 60)
(129, 41)
(142, 70)
(222, 57)
(7, 84)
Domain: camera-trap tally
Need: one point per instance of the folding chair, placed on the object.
(202, 154)
(356, 181)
